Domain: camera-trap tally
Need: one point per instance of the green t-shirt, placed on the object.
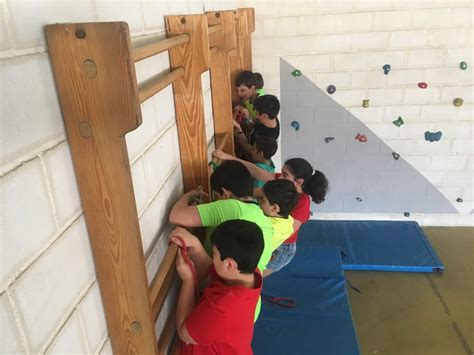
(270, 168)
(214, 213)
(249, 104)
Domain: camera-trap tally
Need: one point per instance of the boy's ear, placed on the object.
(226, 194)
(299, 182)
(276, 208)
(231, 265)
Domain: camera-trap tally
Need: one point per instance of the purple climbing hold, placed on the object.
(386, 69)
(433, 136)
(406, 214)
(459, 199)
(422, 85)
(328, 139)
(331, 89)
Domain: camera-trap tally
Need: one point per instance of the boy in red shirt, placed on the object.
(222, 321)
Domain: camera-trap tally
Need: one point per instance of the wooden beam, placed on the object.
(194, 58)
(220, 77)
(157, 83)
(169, 329)
(95, 79)
(154, 45)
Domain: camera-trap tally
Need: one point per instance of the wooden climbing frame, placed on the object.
(93, 65)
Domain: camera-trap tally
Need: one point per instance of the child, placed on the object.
(277, 199)
(267, 125)
(308, 182)
(263, 150)
(247, 84)
(232, 188)
(222, 321)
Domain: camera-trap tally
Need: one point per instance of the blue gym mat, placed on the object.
(321, 322)
(374, 245)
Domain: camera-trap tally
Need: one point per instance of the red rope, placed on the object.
(188, 261)
(280, 301)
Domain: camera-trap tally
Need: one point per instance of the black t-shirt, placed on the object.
(261, 130)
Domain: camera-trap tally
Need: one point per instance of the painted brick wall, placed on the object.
(346, 43)
(43, 232)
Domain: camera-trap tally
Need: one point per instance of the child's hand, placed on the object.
(219, 154)
(197, 196)
(183, 269)
(237, 126)
(192, 242)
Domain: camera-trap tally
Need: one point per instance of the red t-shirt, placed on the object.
(301, 213)
(223, 320)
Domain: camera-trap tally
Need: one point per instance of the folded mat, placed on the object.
(374, 245)
(321, 321)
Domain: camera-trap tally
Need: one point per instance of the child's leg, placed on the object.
(281, 257)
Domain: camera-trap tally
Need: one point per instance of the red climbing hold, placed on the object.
(361, 138)
(422, 85)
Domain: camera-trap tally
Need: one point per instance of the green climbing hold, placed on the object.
(365, 103)
(463, 65)
(296, 73)
(398, 122)
(458, 102)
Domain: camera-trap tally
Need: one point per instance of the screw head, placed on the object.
(80, 33)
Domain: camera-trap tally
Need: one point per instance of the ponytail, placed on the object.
(314, 184)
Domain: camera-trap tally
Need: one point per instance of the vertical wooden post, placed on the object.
(194, 58)
(241, 58)
(224, 41)
(96, 83)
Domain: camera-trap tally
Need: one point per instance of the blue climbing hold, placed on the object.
(295, 125)
(386, 69)
(331, 89)
(433, 136)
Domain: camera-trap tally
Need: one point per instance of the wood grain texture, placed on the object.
(98, 111)
(157, 83)
(194, 58)
(153, 46)
(220, 77)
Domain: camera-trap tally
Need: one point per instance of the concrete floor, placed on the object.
(419, 314)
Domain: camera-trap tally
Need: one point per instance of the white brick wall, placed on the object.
(423, 41)
(41, 311)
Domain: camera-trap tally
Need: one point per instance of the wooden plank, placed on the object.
(157, 83)
(169, 329)
(154, 45)
(194, 58)
(96, 83)
(220, 77)
(248, 16)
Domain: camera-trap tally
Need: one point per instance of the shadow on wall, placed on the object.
(363, 173)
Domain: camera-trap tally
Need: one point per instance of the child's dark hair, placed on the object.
(268, 104)
(246, 78)
(240, 240)
(258, 81)
(283, 193)
(267, 145)
(233, 176)
(315, 184)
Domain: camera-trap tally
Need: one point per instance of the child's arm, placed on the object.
(255, 171)
(185, 215)
(243, 142)
(186, 300)
(202, 262)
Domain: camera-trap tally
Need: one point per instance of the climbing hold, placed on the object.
(331, 89)
(296, 73)
(358, 199)
(395, 156)
(386, 69)
(406, 214)
(398, 122)
(361, 138)
(328, 139)
(458, 102)
(365, 103)
(295, 125)
(459, 199)
(463, 65)
(422, 85)
(433, 136)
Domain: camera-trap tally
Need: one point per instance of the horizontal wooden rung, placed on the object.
(153, 45)
(163, 280)
(155, 84)
(214, 29)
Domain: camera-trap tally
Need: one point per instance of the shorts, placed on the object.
(282, 256)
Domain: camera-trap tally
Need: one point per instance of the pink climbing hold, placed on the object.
(422, 85)
(361, 138)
